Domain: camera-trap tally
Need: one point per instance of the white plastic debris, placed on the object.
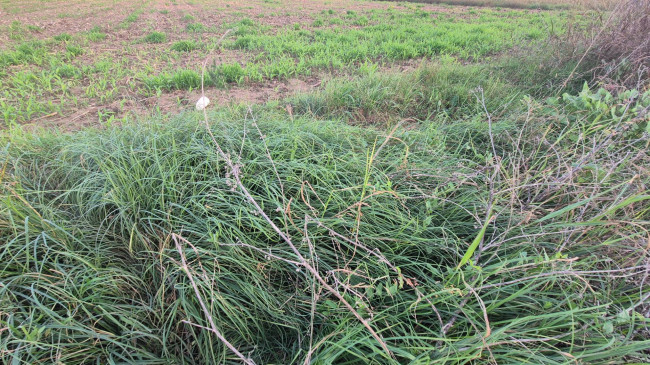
(202, 103)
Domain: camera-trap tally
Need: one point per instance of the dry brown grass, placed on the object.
(623, 49)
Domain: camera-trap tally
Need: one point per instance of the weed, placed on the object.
(16, 31)
(66, 71)
(95, 34)
(63, 37)
(73, 51)
(361, 21)
(34, 28)
(225, 74)
(184, 46)
(246, 22)
(130, 19)
(180, 79)
(621, 53)
(195, 28)
(26, 52)
(155, 37)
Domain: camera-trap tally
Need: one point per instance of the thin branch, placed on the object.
(621, 273)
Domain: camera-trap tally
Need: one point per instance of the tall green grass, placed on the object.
(90, 272)
(440, 90)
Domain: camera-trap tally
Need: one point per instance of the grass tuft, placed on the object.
(96, 34)
(63, 37)
(155, 37)
(195, 28)
(184, 46)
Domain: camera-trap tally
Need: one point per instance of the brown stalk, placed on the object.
(206, 312)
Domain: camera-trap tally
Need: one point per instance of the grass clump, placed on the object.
(361, 21)
(34, 28)
(73, 51)
(65, 70)
(63, 37)
(184, 46)
(443, 90)
(185, 79)
(440, 247)
(195, 28)
(180, 79)
(25, 53)
(130, 19)
(96, 34)
(246, 22)
(224, 74)
(155, 37)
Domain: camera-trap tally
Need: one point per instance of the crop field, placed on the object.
(114, 59)
(372, 182)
